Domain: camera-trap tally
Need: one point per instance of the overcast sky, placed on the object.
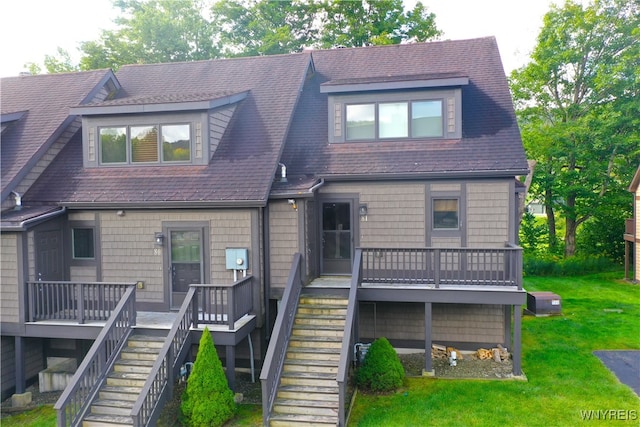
(31, 29)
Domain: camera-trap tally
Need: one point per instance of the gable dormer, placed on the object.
(414, 107)
(180, 129)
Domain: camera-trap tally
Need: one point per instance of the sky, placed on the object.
(31, 29)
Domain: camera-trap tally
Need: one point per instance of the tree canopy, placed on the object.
(156, 31)
(579, 110)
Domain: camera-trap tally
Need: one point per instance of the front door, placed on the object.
(49, 262)
(186, 262)
(337, 238)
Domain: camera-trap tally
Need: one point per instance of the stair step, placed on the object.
(315, 342)
(112, 407)
(315, 379)
(290, 420)
(322, 310)
(126, 379)
(140, 353)
(123, 393)
(133, 366)
(146, 341)
(318, 354)
(319, 320)
(324, 300)
(310, 368)
(308, 393)
(319, 331)
(98, 420)
(306, 407)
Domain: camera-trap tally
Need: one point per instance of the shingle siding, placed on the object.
(218, 122)
(9, 283)
(83, 274)
(488, 214)
(451, 323)
(396, 213)
(283, 241)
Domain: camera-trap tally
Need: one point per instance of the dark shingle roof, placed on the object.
(244, 164)
(45, 99)
(490, 142)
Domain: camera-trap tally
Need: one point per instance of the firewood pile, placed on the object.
(498, 353)
(442, 352)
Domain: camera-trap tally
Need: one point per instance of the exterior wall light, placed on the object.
(363, 210)
(293, 204)
(159, 239)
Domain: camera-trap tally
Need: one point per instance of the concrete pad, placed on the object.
(625, 364)
(20, 400)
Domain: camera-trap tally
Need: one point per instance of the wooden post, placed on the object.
(21, 382)
(428, 365)
(231, 366)
(517, 340)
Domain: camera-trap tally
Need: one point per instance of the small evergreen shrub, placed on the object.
(381, 369)
(207, 399)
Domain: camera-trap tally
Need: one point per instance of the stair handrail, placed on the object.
(76, 399)
(274, 358)
(159, 383)
(346, 352)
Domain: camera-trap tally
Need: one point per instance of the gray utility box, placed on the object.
(543, 303)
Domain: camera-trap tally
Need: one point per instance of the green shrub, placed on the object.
(552, 265)
(207, 400)
(381, 369)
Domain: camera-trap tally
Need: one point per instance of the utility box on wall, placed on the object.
(543, 303)
(237, 259)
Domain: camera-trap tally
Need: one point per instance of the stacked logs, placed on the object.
(498, 353)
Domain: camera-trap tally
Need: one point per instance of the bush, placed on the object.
(550, 265)
(207, 400)
(381, 369)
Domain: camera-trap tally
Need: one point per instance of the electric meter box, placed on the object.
(237, 259)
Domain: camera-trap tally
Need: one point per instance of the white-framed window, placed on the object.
(145, 143)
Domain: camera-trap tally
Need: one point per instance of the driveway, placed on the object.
(625, 364)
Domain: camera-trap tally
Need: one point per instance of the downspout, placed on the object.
(317, 185)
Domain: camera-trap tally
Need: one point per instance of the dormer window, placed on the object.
(392, 120)
(395, 108)
(145, 144)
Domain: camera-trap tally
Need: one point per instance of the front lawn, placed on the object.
(565, 380)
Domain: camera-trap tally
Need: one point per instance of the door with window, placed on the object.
(186, 262)
(337, 237)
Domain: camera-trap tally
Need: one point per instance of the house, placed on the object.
(296, 205)
(631, 238)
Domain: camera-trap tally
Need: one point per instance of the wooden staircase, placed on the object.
(124, 383)
(308, 391)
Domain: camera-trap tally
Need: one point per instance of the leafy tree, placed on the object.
(578, 106)
(154, 31)
(259, 27)
(375, 22)
(207, 400)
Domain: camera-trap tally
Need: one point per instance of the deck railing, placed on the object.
(74, 301)
(274, 359)
(203, 304)
(223, 304)
(76, 398)
(348, 339)
(443, 266)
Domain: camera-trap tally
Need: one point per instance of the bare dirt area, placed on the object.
(468, 367)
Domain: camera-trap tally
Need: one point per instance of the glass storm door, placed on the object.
(186, 262)
(337, 238)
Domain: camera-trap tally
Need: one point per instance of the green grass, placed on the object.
(42, 416)
(564, 377)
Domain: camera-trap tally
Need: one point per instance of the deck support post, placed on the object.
(428, 365)
(21, 381)
(231, 366)
(517, 340)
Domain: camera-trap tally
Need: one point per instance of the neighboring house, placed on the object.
(631, 237)
(380, 179)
